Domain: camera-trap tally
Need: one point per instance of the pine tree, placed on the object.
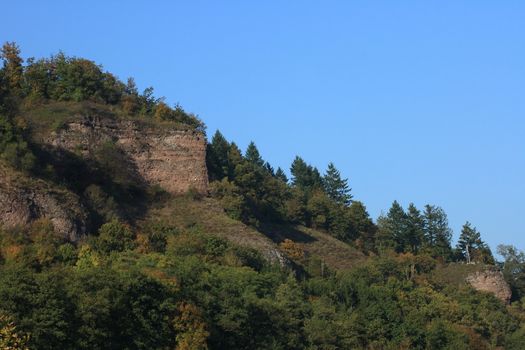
(362, 226)
(471, 247)
(217, 157)
(305, 176)
(415, 227)
(392, 229)
(437, 233)
(336, 187)
(396, 221)
(281, 175)
(252, 155)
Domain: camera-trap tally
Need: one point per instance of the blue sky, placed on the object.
(419, 101)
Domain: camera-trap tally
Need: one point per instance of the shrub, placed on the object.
(115, 236)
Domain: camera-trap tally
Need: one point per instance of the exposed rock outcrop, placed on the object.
(491, 281)
(23, 200)
(163, 154)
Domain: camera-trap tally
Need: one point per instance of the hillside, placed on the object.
(124, 227)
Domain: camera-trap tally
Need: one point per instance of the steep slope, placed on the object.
(24, 199)
(207, 214)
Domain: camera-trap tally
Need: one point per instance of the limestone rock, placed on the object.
(491, 281)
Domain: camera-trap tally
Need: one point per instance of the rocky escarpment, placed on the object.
(491, 281)
(161, 153)
(23, 200)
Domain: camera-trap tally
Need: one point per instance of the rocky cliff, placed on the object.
(162, 154)
(491, 281)
(23, 200)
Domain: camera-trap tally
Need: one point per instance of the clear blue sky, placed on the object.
(420, 101)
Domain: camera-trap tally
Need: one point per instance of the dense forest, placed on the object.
(163, 281)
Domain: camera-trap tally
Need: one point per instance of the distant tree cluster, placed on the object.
(253, 192)
(63, 78)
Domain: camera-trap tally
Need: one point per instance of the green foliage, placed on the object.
(305, 176)
(471, 248)
(115, 236)
(437, 232)
(13, 148)
(336, 187)
(63, 78)
(513, 269)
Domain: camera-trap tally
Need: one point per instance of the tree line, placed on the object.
(251, 190)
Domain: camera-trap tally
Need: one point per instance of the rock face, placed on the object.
(491, 281)
(163, 155)
(23, 200)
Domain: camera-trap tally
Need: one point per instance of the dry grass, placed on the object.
(207, 215)
(456, 273)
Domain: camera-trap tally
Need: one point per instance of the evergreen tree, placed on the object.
(470, 246)
(415, 227)
(336, 187)
(437, 233)
(281, 175)
(396, 225)
(269, 168)
(362, 226)
(234, 159)
(393, 230)
(305, 176)
(217, 157)
(252, 155)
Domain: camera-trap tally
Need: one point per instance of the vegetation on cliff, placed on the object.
(264, 262)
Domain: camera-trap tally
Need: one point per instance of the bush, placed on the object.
(115, 236)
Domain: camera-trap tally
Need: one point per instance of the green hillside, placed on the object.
(259, 262)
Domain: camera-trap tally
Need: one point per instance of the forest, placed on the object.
(164, 280)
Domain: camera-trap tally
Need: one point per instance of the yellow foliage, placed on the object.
(292, 249)
(191, 328)
(10, 338)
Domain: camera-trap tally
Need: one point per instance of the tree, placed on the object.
(336, 187)
(279, 173)
(252, 155)
(437, 233)
(10, 337)
(13, 69)
(115, 236)
(305, 176)
(393, 228)
(513, 269)
(362, 226)
(471, 247)
(415, 228)
(217, 157)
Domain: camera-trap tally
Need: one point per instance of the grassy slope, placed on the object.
(207, 215)
(456, 273)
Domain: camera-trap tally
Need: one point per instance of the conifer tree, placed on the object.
(415, 227)
(336, 187)
(437, 233)
(362, 226)
(305, 176)
(396, 221)
(471, 247)
(281, 175)
(217, 157)
(252, 155)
